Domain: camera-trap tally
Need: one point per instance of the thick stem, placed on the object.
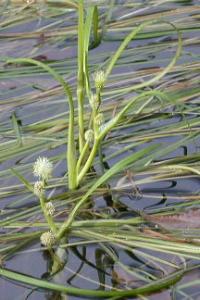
(81, 157)
(71, 154)
(95, 111)
(80, 88)
(89, 161)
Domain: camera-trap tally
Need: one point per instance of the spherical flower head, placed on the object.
(99, 79)
(99, 119)
(48, 239)
(43, 168)
(50, 208)
(39, 188)
(89, 136)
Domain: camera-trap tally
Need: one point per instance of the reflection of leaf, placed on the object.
(99, 257)
(188, 219)
(121, 278)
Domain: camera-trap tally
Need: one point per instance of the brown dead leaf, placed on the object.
(183, 220)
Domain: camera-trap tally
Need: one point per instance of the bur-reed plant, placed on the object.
(83, 147)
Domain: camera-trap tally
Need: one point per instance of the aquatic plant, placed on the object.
(80, 160)
(115, 150)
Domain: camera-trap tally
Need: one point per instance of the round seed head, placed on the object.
(48, 239)
(38, 188)
(99, 79)
(50, 208)
(43, 168)
(89, 135)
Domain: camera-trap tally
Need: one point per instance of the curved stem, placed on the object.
(124, 45)
(71, 152)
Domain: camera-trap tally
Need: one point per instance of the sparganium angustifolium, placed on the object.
(43, 168)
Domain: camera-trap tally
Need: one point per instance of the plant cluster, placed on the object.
(135, 128)
(80, 159)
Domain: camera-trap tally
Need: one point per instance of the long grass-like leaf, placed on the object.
(148, 288)
(160, 74)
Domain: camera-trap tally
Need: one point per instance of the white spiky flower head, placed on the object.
(50, 208)
(99, 79)
(48, 239)
(43, 168)
(39, 188)
(89, 136)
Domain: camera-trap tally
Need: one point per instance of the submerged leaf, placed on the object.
(188, 219)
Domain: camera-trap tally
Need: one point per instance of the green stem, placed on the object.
(117, 118)
(89, 161)
(71, 151)
(48, 218)
(80, 88)
(95, 113)
(81, 157)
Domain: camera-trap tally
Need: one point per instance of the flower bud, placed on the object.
(43, 168)
(48, 239)
(99, 79)
(50, 208)
(89, 136)
(94, 102)
(99, 119)
(39, 188)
